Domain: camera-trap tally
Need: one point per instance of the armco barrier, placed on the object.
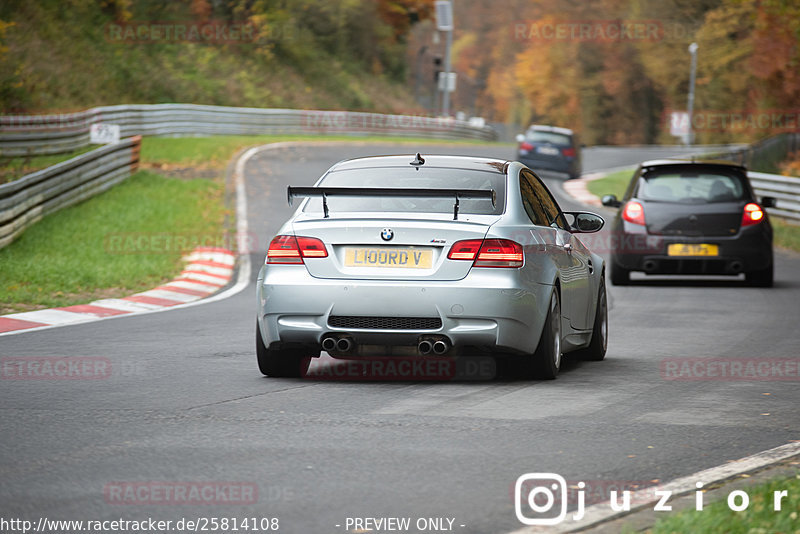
(25, 201)
(53, 134)
(785, 189)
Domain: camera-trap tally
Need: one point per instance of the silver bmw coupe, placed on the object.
(435, 256)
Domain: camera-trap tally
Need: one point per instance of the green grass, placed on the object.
(14, 168)
(614, 183)
(759, 518)
(85, 251)
(787, 235)
(216, 151)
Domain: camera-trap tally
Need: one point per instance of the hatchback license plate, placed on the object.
(693, 249)
(547, 150)
(404, 258)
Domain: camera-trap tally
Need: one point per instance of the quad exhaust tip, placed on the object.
(341, 344)
(440, 347)
(329, 344)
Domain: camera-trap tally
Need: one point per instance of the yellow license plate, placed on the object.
(404, 258)
(694, 249)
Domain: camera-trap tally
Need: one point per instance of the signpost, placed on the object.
(444, 23)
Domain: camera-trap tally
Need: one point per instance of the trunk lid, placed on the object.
(417, 249)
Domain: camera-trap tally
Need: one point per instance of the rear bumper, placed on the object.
(749, 250)
(483, 311)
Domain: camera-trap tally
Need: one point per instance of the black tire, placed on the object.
(547, 357)
(596, 351)
(545, 362)
(762, 278)
(619, 276)
(280, 363)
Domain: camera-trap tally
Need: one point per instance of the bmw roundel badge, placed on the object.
(387, 234)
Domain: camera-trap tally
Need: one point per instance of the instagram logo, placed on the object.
(542, 491)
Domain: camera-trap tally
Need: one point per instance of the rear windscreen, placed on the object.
(691, 187)
(425, 178)
(549, 137)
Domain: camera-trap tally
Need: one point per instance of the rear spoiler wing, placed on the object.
(325, 192)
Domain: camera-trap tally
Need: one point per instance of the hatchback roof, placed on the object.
(689, 162)
(404, 161)
(547, 128)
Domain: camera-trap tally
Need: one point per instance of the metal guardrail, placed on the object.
(25, 201)
(53, 134)
(785, 190)
(765, 153)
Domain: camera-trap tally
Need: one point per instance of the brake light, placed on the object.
(633, 213)
(488, 253)
(526, 146)
(288, 249)
(568, 152)
(753, 214)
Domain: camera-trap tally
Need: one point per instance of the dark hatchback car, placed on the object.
(681, 217)
(550, 148)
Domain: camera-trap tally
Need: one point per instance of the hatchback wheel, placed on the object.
(762, 278)
(619, 276)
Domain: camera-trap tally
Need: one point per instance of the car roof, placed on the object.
(436, 161)
(547, 128)
(690, 162)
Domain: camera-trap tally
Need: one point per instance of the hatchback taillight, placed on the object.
(753, 214)
(633, 213)
(525, 146)
(502, 253)
(288, 249)
(568, 152)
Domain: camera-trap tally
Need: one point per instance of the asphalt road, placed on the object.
(185, 402)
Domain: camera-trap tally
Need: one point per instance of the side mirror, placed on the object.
(520, 138)
(585, 222)
(768, 202)
(611, 201)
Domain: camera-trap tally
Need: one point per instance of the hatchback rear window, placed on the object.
(425, 178)
(548, 137)
(691, 186)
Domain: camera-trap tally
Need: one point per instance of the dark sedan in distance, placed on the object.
(692, 218)
(550, 148)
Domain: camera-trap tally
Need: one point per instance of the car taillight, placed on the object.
(526, 146)
(288, 249)
(633, 213)
(488, 252)
(753, 214)
(568, 152)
